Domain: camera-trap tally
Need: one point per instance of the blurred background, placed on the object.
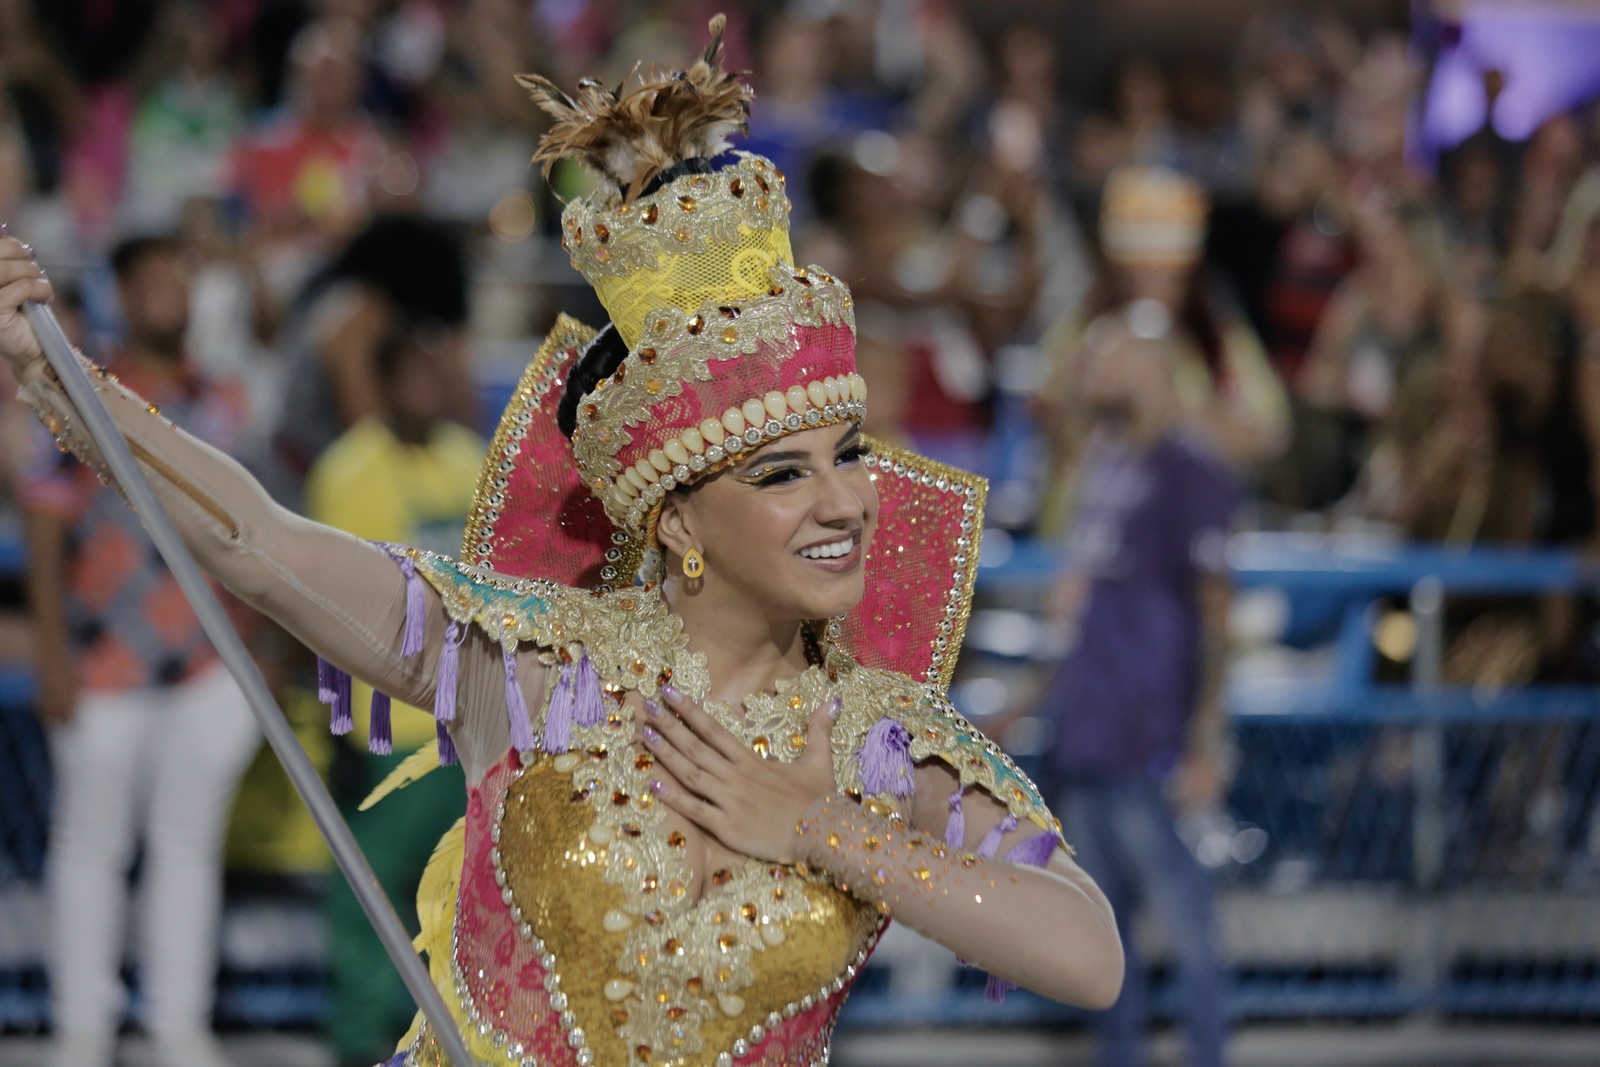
(1363, 235)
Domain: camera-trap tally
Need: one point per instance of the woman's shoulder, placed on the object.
(892, 722)
(625, 632)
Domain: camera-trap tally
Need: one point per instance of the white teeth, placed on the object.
(833, 551)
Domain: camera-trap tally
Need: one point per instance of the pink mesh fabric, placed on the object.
(543, 523)
(502, 976)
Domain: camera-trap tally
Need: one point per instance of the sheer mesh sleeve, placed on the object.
(341, 596)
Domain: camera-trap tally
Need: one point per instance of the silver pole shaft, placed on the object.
(352, 862)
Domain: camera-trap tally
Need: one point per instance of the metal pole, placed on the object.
(230, 647)
(1428, 821)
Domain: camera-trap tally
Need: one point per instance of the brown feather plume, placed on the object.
(628, 136)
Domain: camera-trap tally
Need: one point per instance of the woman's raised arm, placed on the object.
(342, 597)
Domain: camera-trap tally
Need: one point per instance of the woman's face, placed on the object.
(786, 530)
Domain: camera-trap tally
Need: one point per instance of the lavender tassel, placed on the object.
(955, 831)
(325, 691)
(516, 705)
(996, 988)
(885, 759)
(412, 639)
(991, 840)
(447, 747)
(380, 737)
(558, 716)
(1035, 851)
(588, 703)
(333, 689)
(444, 685)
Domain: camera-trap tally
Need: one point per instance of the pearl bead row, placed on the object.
(758, 1033)
(697, 449)
(577, 1040)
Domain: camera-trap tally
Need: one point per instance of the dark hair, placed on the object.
(418, 264)
(127, 256)
(599, 361)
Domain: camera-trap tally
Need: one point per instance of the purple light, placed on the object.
(1549, 53)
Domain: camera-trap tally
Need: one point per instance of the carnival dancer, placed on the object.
(693, 798)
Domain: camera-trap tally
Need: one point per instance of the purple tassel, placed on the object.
(444, 685)
(380, 737)
(325, 691)
(558, 717)
(333, 689)
(1035, 851)
(996, 988)
(991, 840)
(885, 759)
(516, 705)
(447, 747)
(412, 639)
(955, 831)
(588, 703)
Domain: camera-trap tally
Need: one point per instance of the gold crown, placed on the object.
(1152, 215)
(703, 238)
(729, 345)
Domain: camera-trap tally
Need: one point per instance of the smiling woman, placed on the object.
(694, 655)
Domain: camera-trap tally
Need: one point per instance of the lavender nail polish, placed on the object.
(670, 692)
(652, 708)
(651, 736)
(659, 788)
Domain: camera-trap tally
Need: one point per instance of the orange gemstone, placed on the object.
(643, 1052)
(696, 324)
(736, 187)
(619, 797)
(695, 984)
(686, 202)
(761, 746)
(601, 232)
(621, 375)
(779, 893)
(748, 913)
(619, 1016)
(676, 1012)
(649, 215)
(725, 942)
(722, 876)
(676, 839)
(730, 335)
(652, 917)
(647, 356)
(598, 752)
(631, 829)
(653, 386)
(644, 761)
(602, 254)
(649, 883)
(673, 947)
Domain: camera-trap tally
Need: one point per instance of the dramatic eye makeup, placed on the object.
(781, 466)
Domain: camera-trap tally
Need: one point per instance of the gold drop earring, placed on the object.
(694, 564)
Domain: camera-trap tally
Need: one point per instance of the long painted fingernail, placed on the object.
(651, 735)
(670, 692)
(652, 708)
(3, 229)
(833, 708)
(659, 788)
(27, 249)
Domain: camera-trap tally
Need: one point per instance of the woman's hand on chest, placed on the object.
(746, 804)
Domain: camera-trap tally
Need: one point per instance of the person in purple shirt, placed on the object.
(1140, 736)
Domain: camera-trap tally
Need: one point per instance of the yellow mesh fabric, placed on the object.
(723, 273)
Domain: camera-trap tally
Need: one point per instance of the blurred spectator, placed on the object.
(302, 177)
(1152, 227)
(406, 474)
(400, 273)
(148, 731)
(184, 124)
(1140, 728)
(1389, 321)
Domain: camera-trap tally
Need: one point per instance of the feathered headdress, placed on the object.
(630, 136)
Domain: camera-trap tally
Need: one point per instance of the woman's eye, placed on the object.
(853, 454)
(778, 477)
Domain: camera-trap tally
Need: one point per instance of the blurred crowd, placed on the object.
(1371, 328)
(326, 209)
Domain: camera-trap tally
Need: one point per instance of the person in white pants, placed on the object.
(158, 766)
(149, 734)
